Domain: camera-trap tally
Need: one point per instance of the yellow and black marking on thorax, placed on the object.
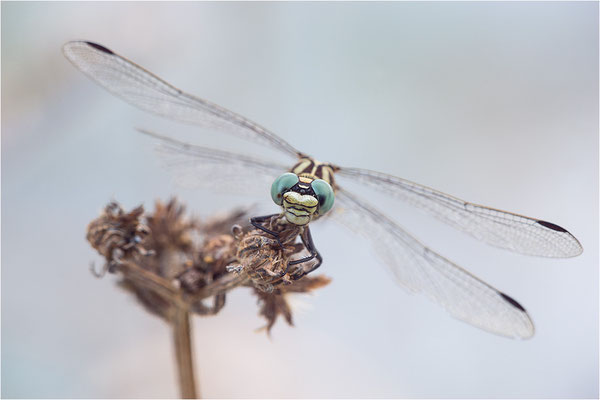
(311, 169)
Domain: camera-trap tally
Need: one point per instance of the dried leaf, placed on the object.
(275, 303)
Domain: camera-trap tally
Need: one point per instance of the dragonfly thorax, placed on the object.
(311, 169)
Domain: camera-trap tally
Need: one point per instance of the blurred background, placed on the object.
(496, 103)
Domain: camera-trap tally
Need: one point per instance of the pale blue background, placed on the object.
(496, 103)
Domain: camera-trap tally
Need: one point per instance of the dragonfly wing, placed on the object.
(419, 269)
(148, 92)
(197, 166)
(496, 227)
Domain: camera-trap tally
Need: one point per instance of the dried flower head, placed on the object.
(117, 235)
(170, 261)
(263, 258)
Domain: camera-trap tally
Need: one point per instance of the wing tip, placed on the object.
(578, 248)
(529, 330)
(525, 331)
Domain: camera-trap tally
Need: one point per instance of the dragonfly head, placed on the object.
(302, 199)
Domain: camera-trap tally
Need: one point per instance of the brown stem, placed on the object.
(183, 353)
(221, 285)
(180, 317)
(149, 280)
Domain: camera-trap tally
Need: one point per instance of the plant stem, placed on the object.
(183, 353)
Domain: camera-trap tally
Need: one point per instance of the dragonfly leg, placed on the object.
(257, 223)
(314, 253)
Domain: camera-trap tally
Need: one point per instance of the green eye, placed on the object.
(324, 194)
(281, 185)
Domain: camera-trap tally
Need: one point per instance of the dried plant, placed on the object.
(177, 265)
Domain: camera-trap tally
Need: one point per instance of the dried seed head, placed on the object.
(162, 260)
(170, 229)
(117, 235)
(263, 258)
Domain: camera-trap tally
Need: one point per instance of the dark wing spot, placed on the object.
(512, 301)
(552, 226)
(99, 47)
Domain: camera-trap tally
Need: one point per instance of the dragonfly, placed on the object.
(415, 266)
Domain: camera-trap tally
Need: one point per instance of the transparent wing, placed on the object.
(420, 269)
(148, 92)
(197, 166)
(499, 228)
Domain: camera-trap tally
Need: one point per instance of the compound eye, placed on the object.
(281, 185)
(324, 194)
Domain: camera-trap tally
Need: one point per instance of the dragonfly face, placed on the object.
(307, 191)
(303, 198)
